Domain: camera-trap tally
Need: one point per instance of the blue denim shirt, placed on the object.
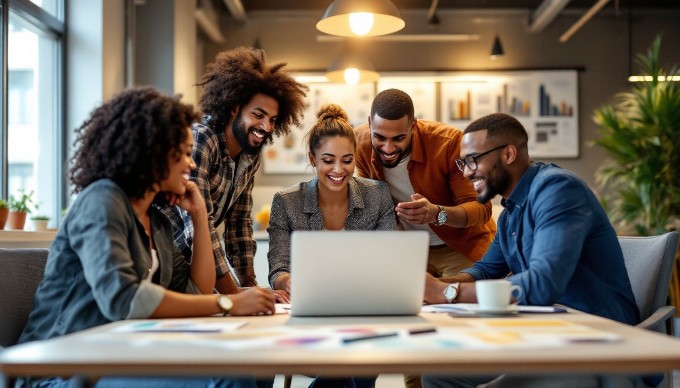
(97, 268)
(556, 240)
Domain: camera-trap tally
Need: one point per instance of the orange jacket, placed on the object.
(433, 173)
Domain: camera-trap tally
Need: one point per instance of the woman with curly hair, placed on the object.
(245, 102)
(113, 257)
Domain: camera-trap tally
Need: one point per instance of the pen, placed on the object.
(422, 331)
(178, 331)
(368, 337)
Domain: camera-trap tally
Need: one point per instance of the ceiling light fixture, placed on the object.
(352, 68)
(361, 18)
(497, 49)
(546, 13)
(426, 38)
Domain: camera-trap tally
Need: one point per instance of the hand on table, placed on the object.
(253, 301)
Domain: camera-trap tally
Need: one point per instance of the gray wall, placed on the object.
(600, 48)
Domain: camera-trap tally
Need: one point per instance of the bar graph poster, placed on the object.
(545, 102)
(289, 155)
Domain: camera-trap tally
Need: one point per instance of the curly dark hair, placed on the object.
(331, 121)
(129, 139)
(392, 104)
(237, 75)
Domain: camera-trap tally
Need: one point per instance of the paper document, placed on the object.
(473, 309)
(180, 325)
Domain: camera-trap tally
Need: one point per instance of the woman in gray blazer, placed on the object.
(333, 200)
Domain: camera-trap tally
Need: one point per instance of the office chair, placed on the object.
(649, 262)
(21, 270)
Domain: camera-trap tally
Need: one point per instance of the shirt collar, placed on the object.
(519, 195)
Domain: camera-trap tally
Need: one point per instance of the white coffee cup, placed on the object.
(495, 294)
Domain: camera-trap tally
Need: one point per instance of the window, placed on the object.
(34, 121)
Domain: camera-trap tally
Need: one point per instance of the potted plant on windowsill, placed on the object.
(4, 213)
(18, 209)
(40, 222)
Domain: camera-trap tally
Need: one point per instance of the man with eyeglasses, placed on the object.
(417, 160)
(554, 238)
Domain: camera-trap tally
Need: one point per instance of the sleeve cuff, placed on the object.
(474, 272)
(146, 300)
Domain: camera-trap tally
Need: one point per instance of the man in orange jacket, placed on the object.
(417, 159)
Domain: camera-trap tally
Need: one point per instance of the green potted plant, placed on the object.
(40, 222)
(4, 213)
(18, 209)
(641, 134)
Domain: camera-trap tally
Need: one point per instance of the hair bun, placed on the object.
(332, 112)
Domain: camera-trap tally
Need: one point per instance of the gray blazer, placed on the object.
(297, 208)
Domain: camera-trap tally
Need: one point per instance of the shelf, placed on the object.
(26, 238)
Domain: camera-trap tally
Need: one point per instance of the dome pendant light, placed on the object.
(360, 18)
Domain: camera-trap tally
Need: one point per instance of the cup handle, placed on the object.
(517, 288)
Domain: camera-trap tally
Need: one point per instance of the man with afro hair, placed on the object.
(245, 102)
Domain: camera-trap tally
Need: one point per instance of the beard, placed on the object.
(395, 163)
(240, 132)
(496, 182)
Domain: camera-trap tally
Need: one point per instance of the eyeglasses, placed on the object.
(471, 160)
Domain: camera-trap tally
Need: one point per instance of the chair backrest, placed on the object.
(649, 262)
(21, 270)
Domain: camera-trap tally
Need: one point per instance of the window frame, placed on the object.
(42, 20)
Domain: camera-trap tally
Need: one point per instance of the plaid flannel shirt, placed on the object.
(228, 198)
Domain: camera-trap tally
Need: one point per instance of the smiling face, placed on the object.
(391, 139)
(253, 125)
(491, 177)
(334, 162)
(180, 164)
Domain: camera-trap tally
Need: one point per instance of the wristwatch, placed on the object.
(442, 216)
(225, 304)
(451, 292)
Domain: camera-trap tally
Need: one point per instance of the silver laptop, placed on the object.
(358, 272)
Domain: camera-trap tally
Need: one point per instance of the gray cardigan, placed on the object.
(297, 208)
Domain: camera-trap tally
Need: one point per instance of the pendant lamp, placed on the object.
(351, 67)
(360, 18)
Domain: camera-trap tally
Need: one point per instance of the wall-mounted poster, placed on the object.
(289, 155)
(545, 102)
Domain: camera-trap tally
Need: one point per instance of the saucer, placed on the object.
(510, 310)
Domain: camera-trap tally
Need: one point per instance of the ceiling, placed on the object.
(542, 12)
(404, 5)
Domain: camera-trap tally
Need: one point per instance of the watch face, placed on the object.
(225, 303)
(450, 293)
(442, 217)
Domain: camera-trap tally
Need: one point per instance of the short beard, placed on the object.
(396, 162)
(496, 182)
(238, 128)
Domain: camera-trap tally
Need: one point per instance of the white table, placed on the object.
(78, 354)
